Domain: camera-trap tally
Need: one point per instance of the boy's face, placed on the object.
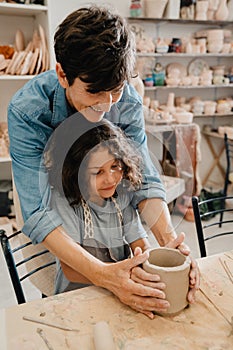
(92, 106)
(104, 173)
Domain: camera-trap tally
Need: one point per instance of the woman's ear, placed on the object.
(61, 76)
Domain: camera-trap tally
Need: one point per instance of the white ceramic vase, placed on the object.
(201, 10)
(222, 12)
(230, 9)
(155, 8)
(173, 268)
(173, 9)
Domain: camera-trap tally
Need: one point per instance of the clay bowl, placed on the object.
(183, 117)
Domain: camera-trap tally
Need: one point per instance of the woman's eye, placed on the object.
(118, 91)
(97, 173)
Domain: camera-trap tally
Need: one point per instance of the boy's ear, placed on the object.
(61, 76)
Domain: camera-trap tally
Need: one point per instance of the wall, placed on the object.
(59, 9)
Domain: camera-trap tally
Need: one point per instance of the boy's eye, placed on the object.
(117, 166)
(98, 172)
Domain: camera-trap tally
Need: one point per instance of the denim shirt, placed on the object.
(33, 114)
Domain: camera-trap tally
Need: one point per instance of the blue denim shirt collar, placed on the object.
(61, 107)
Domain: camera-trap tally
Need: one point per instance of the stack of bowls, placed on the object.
(215, 39)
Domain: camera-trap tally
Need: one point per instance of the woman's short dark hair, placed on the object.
(97, 46)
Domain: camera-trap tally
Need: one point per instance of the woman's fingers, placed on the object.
(148, 306)
(178, 243)
(194, 280)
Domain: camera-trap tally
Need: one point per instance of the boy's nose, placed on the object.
(110, 176)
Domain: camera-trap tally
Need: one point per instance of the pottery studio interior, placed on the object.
(152, 79)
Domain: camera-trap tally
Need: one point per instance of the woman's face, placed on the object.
(104, 174)
(92, 106)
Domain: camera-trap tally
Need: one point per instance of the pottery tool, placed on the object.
(215, 306)
(226, 269)
(230, 257)
(43, 336)
(49, 324)
(103, 338)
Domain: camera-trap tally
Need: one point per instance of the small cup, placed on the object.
(173, 268)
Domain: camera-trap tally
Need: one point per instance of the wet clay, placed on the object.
(173, 268)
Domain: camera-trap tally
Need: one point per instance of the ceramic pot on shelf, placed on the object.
(222, 12)
(201, 10)
(230, 9)
(173, 268)
(172, 10)
(155, 9)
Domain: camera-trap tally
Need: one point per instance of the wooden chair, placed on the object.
(25, 260)
(229, 157)
(214, 207)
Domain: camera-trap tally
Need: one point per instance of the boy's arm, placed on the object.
(142, 243)
(73, 275)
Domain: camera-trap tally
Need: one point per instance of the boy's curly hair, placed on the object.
(103, 135)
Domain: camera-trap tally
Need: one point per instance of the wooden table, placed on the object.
(207, 324)
(174, 187)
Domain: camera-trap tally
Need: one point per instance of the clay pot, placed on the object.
(172, 10)
(210, 107)
(173, 268)
(155, 9)
(201, 10)
(230, 9)
(222, 12)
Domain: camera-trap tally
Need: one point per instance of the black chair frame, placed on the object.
(229, 158)
(200, 227)
(13, 266)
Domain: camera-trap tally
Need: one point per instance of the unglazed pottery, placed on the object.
(155, 9)
(173, 268)
(222, 12)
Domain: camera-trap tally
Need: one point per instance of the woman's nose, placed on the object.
(106, 101)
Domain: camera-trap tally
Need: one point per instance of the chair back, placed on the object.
(229, 158)
(44, 279)
(209, 224)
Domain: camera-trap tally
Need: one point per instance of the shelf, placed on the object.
(21, 10)
(181, 21)
(212, 134)
(182, 55)
(213, 115)
(181, 87)
(5, 159)
(15, 77)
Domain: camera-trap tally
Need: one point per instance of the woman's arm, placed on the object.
(115, 277)
(75, 276)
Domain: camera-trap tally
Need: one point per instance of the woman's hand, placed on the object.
(194, 276)
(134, 287)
